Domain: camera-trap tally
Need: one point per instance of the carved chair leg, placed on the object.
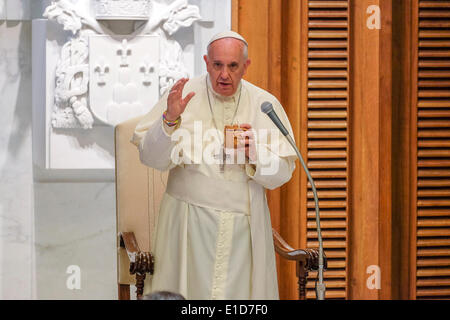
(124, 292)
(139, 285)
(301, 274)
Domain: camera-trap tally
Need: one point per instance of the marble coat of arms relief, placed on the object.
(104, 78)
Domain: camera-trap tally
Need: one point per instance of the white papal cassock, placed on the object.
(213, 238)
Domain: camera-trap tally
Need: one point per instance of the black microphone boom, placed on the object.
(267, 108)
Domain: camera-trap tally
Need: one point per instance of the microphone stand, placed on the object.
(320, 289)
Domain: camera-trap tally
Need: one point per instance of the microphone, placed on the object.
(267, 108)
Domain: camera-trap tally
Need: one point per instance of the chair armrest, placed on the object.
(306, 260)
(128, 241)
(308, 257)
(140, 262)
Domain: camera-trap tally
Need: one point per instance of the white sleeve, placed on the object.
(274, 171)
(155, 148)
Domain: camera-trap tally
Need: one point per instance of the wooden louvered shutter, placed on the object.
(431, 223)
(327, 136)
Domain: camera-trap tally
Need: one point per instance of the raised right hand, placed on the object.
(175, 102)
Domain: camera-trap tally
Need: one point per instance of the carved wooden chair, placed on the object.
(139, 190)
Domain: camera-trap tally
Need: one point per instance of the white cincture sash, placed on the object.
(196, 188)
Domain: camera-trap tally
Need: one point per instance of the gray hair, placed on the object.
(164, 295)
(243, 46)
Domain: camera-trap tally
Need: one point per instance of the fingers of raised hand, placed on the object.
(188, 98)
(180, 83)
(249, 134)
(246, 126)
(178, 86)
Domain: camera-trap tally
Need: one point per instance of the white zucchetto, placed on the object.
(227, 34)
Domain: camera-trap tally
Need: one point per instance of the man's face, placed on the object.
(226, 65)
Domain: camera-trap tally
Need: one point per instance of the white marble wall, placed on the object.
(49, 222)
(45, 226)
(75, 225)
(16, 174)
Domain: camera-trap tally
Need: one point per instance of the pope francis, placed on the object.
(213, 238)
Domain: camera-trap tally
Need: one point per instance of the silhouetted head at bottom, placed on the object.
(163, 295)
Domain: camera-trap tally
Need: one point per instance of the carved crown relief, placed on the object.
(116, 9)
(107, 78)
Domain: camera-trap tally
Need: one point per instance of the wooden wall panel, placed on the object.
(327, 140)
(370, 108)
(432, 162)
(401, 147)
(292, 197)
(370, 220)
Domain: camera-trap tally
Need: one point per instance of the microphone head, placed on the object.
(266, 107)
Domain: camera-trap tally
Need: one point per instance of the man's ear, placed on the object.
(246, 65)
(205, 57)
